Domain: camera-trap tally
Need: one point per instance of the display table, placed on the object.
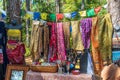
(55, 76)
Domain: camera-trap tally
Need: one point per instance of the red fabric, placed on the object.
(97, 9)
(16, 56)
(53, 44)
(1, 58)
(59, 16)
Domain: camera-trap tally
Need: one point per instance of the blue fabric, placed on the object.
(115, 55)
(3, 42)
(73, 14)
(90, 66)
(3, 16)
(36, 15)
(70, 29)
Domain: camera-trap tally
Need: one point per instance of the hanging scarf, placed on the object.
(101, 37)
(46, 41)
(33, 32)
(95, 46)
(76, 36)
(36, 45)
(60, 41)
(105, 38)
(66, 29)
(86, 25)
(53, 44)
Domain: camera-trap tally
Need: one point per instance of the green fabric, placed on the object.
(52, 17)
(91, 13)
(105, 37)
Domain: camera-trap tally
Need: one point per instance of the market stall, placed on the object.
(64, 46)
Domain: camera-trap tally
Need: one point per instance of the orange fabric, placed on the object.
(95, 46)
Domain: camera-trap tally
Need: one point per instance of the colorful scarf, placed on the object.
(39, 40)
(53, 44)
(105, 38)
(76, 36)
(101, 37)
(60, 41)
(66, 29)
(86, 25)
(33, 37)
(97, 60)
(46, 41)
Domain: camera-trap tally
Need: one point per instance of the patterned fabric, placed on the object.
(76, 36)
(101, 37)
(86, 25)
(53, 44)
(55, 76)
(95, 45)
(60, 42)
(46, 41)
(36, 41)
(39, 40)
(105, 38)
(66, 29)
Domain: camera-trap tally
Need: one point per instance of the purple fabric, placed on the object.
(86, 25)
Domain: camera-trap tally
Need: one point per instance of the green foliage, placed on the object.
(69, 5)
(44, 6)
(27, 52)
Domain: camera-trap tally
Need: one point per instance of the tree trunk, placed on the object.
(114, 10)
(83, 5)
(4, 4)
(13, 10)
(27, 23)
